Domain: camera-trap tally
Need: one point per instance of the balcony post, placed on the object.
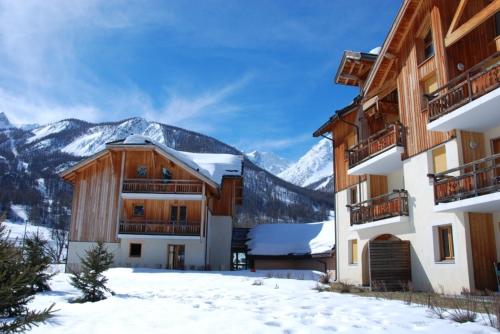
(474, 172)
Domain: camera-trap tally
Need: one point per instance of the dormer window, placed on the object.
(428, 45)
(142, 171)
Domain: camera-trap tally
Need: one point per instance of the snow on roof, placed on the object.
(291, 239)
(212, 165)
(376, 50)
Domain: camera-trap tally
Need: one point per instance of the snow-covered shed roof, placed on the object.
(292, 239)
(210, 166)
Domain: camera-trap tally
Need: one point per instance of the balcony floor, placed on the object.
(382, 164)
(125, 235)
(479, 115)
(485, 203)
(161, 196)
(381, 222)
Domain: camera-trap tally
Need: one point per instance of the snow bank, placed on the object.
(212, 165)
(287, 239)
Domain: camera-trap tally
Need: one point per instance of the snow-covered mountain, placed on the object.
(32, 158)
(4, 122)
(314, 169)
(268, 161)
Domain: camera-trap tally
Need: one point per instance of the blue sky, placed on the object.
(255, 74)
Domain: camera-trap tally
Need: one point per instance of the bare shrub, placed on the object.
(465, 308)
(434, 308)
(491, 308)
(345, 287)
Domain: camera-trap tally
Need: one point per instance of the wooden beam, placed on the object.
(349, 77)
(457, 16)
(472, 23)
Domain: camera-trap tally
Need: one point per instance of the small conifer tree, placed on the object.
(36, 255)
(16, 280)
(91, 281)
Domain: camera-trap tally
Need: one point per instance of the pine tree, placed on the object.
(16, 279)
(36, 255)
(91, 281)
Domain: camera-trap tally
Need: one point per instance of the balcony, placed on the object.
(381, 210)
(380, 154)
(470, 101)
(158, 229)
(162, 189)
(473, 187)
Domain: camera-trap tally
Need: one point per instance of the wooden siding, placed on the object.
(230, 195)
(345, 137)
(483, 250)
(159, 210)
(97, 208)
(95, 200)
(378, 185)
(154, 162)
(409, 81)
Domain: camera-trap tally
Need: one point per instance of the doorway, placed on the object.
(176, 254)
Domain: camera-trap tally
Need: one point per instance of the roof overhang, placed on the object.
(354, 67)
(327, 126)
(392, 43)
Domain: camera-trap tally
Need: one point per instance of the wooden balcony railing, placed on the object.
(477, 178)
(476, 82)
(385, 206)
(162, 186)
(391, 136)
(159, 227)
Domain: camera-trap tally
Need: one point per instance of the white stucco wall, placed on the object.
(420, 230)
(154, 253)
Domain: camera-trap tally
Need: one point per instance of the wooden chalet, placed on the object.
(155, 206)
(417, 153)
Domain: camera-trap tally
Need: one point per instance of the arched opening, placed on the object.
(386, 262)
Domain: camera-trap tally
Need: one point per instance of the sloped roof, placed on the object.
(292, 239)
(211, 166)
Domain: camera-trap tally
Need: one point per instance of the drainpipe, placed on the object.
(357, 138)
(335, 224)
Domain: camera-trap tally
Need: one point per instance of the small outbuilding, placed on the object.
(308, 246)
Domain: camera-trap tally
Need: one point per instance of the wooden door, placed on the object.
(484, 253)
(176, 257)
(390, 264)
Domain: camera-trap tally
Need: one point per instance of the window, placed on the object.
(428, 46)
(142, 171)
(446, 251)
(166, 173)
(439, 159)
(353, 251)
(353, 195)
(178, 214)
(138, 210)
(135, 250)
(428, 86)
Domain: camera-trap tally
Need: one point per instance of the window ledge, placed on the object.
(445, 262)
(353, 264)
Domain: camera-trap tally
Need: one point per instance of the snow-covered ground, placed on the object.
(17, 229)
(159, 301)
